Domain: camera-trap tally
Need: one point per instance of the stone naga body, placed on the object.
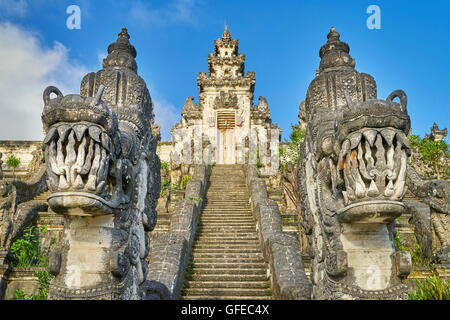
(103, 174)
(353, 176)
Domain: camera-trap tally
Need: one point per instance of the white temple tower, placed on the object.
(225, 127)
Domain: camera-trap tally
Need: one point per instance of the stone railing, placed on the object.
(169, 253)
(281, 251)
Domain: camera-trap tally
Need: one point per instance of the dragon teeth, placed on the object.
(80, 130)
(388, 136)
(355, 139)
(63, 132)
(50, 135)
(370, 136)
(94, 133)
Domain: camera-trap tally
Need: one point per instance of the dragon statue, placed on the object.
(103, 175)
(430, 215)
(353, 179)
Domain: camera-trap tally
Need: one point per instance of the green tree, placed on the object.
(290, 151)
(434, 154)
(13, 162)
(289, 164)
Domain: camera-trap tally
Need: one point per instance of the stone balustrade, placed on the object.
(280, 250)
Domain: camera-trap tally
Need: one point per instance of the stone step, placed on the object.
(220, 231)
(230, 203)
(225, 243)
(213, 237)
(225, 182)
(225, 231)
(234, 223)
(224, 246)
(228, 199)
(224, 250)
(227, 292)
(217, 194)
(234, 191)
(221, 259)
(228, 277)
(226, 265)
(218, 208)
(226, 216)
(229, 255)
(210, 208)
(225, 220)
(231, 190)
(226, 257)
(228, 284)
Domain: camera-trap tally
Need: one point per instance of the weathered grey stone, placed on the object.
(167, 262)
(170, 252)
(104, 179)
(194, 190)
(421, 218)
(289, 279)
(353, 179)
(224, 127)
(281, 251)
(17, 208)
(436, 195)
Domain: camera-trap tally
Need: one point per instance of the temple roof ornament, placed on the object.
(261, 113)
(121, 53)
(436, 133)
(125, 91)
(335, 53)
(191, 110)
(226, 36)
(336, 78)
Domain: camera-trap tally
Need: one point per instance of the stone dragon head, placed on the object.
(354, 160)
(103, 174)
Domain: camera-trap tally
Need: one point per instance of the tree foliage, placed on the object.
(289, 165)
(434, 154)
(13, 162)
(290, 152)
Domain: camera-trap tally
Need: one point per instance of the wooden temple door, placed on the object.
(226, 140)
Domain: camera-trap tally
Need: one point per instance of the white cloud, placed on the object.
(176, 11)
(166, 116)
(27, 67)
(13, 8)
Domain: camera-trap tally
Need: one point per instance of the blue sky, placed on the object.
(281, 41)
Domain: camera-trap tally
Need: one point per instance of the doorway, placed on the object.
(226, 121)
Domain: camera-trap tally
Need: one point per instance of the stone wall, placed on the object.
(280, 250)
(169, 252)
(20, 149)
(163, 150)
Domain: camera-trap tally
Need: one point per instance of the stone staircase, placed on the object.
(226, 261)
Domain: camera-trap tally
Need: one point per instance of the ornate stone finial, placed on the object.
(123, 35)
(335, 53)
(121, 53)
(333, 35)
(226, 36)
(436, 133)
